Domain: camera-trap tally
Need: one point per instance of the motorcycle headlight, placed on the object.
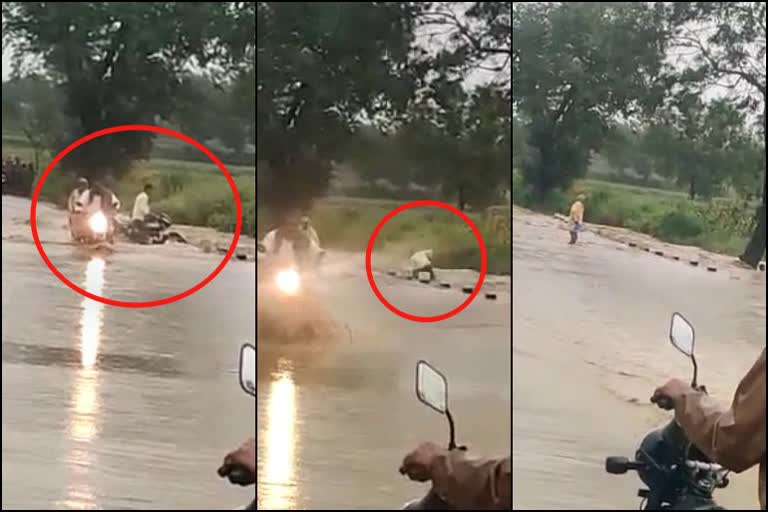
(288, 281)
(98, 223)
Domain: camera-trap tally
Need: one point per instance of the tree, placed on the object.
(727, 41)
(519, 142)
(461, 142)
(33, 106)
(323, 70)
(695, 143)
(474, 36)
(123, 62)
(575, 67)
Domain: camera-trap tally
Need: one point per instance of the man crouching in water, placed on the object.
(460, 481)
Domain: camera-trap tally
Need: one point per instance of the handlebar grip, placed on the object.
(664, 402)
(240, 476)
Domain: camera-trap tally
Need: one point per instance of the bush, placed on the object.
(680, 226)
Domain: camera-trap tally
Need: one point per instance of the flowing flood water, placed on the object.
(115, 408)
(590, 344)
(338, 411)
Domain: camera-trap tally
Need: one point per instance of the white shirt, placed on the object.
(78, 200)
(140, 206)
(314, 240)
(421, 259)
(269, 241)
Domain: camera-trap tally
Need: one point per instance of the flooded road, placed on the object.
(113, 408)
(337, 414)
(590, 344)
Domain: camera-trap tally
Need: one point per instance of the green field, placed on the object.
(346, 223)
(721, 225)
(192, 192)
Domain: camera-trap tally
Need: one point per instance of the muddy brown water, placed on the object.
(590, 344)
(113, 408)
(337, 414)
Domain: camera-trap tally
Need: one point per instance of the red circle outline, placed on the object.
(151, 303)
(483, 260)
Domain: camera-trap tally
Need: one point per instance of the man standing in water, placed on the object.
(576, 218)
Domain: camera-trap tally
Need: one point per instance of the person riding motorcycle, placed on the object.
(309, 231)
(462, 482)
(102, 198)
(78, 199)
(298, 238)
(732, 437)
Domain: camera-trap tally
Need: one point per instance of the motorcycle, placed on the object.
(154, 229)
(92, 228)
(678, 475)
(285, 278)
(247, 377)
(432, 391)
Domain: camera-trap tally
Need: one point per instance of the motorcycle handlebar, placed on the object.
(240, 476)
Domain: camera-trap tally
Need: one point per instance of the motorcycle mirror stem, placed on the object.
(452, 432)
(694, 383)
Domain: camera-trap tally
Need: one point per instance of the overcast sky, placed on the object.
(6, 65)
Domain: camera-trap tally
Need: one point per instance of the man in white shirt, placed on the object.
(141, 204)
(421, 261)
(78, 198)
(77, 202)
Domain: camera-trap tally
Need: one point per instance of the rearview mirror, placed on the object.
(248, 369)
(682, 335)
(431, 387)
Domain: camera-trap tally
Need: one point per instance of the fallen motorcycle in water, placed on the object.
(678, 475)
(155, 228)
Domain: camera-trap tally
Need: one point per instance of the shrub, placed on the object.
(680, 225)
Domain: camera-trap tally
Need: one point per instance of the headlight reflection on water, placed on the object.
(278, 489)
(85, 404)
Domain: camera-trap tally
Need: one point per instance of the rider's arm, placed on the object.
(313, 236)
(472, 484)
(735, 437)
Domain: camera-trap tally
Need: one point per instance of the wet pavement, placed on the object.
(590, 344)
(337, 411)
(113, 408)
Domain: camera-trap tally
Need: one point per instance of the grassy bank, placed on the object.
(191, 192)
(347, 223)
(718, 225)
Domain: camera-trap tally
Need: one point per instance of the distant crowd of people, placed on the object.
(17, 175)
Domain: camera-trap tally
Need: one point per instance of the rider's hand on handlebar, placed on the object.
(241, 462)
(418, 464)
(670, 393)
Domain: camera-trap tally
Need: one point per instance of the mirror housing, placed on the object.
(431, 387)
(682, 334)
(247, 371)
(683, 337)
